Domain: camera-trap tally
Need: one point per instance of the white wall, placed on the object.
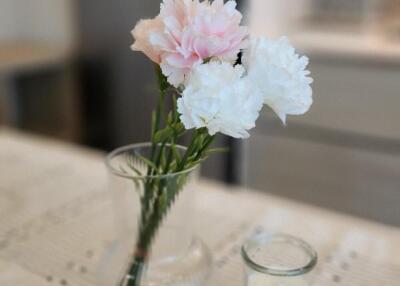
(274, 17)
(7, 19)
(39, 20)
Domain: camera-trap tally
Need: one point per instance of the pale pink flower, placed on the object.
(189, 31)
(141, 33)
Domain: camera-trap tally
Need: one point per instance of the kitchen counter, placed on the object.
(16, 56)
(363, 48)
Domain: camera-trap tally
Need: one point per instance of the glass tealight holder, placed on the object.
(278, 260)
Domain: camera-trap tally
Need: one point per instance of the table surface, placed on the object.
(56, 223)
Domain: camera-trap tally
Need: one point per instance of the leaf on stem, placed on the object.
(148, 162)
(170, 132)
(130, 161)
(177, 156)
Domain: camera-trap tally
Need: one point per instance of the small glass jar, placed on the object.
(277, 260)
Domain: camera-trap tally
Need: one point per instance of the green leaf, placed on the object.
(194, 163)
(170, 118)
(216, 150)
(179, 128)
(148, 162)
(131, 165)
(163, 134)
(135, 181)
(173, 131)
(176, 154)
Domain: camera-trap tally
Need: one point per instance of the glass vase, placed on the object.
(277, 260)
(154, 215)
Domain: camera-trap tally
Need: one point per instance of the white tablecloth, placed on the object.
(56, 223)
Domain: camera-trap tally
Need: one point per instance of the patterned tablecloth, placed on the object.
(56, 223)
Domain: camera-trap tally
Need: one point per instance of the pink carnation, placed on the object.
(189, 31)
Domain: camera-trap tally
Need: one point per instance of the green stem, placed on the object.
(163, 85)
(188, 150)
(158, 195)
(207, 142)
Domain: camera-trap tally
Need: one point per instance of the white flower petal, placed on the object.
(280, 74)
(218, 97)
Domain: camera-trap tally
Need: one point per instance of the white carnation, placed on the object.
(219, 98)
(280, 74)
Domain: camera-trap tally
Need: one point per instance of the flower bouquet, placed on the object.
(218, 78)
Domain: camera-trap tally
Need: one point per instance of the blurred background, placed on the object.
(66, 71)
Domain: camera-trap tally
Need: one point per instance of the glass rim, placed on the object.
(125, 148)
(311, 253)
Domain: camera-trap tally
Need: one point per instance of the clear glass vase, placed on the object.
(154, 216)
(278, 260)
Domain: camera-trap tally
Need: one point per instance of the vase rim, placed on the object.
(275, 271)
(125, 148)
